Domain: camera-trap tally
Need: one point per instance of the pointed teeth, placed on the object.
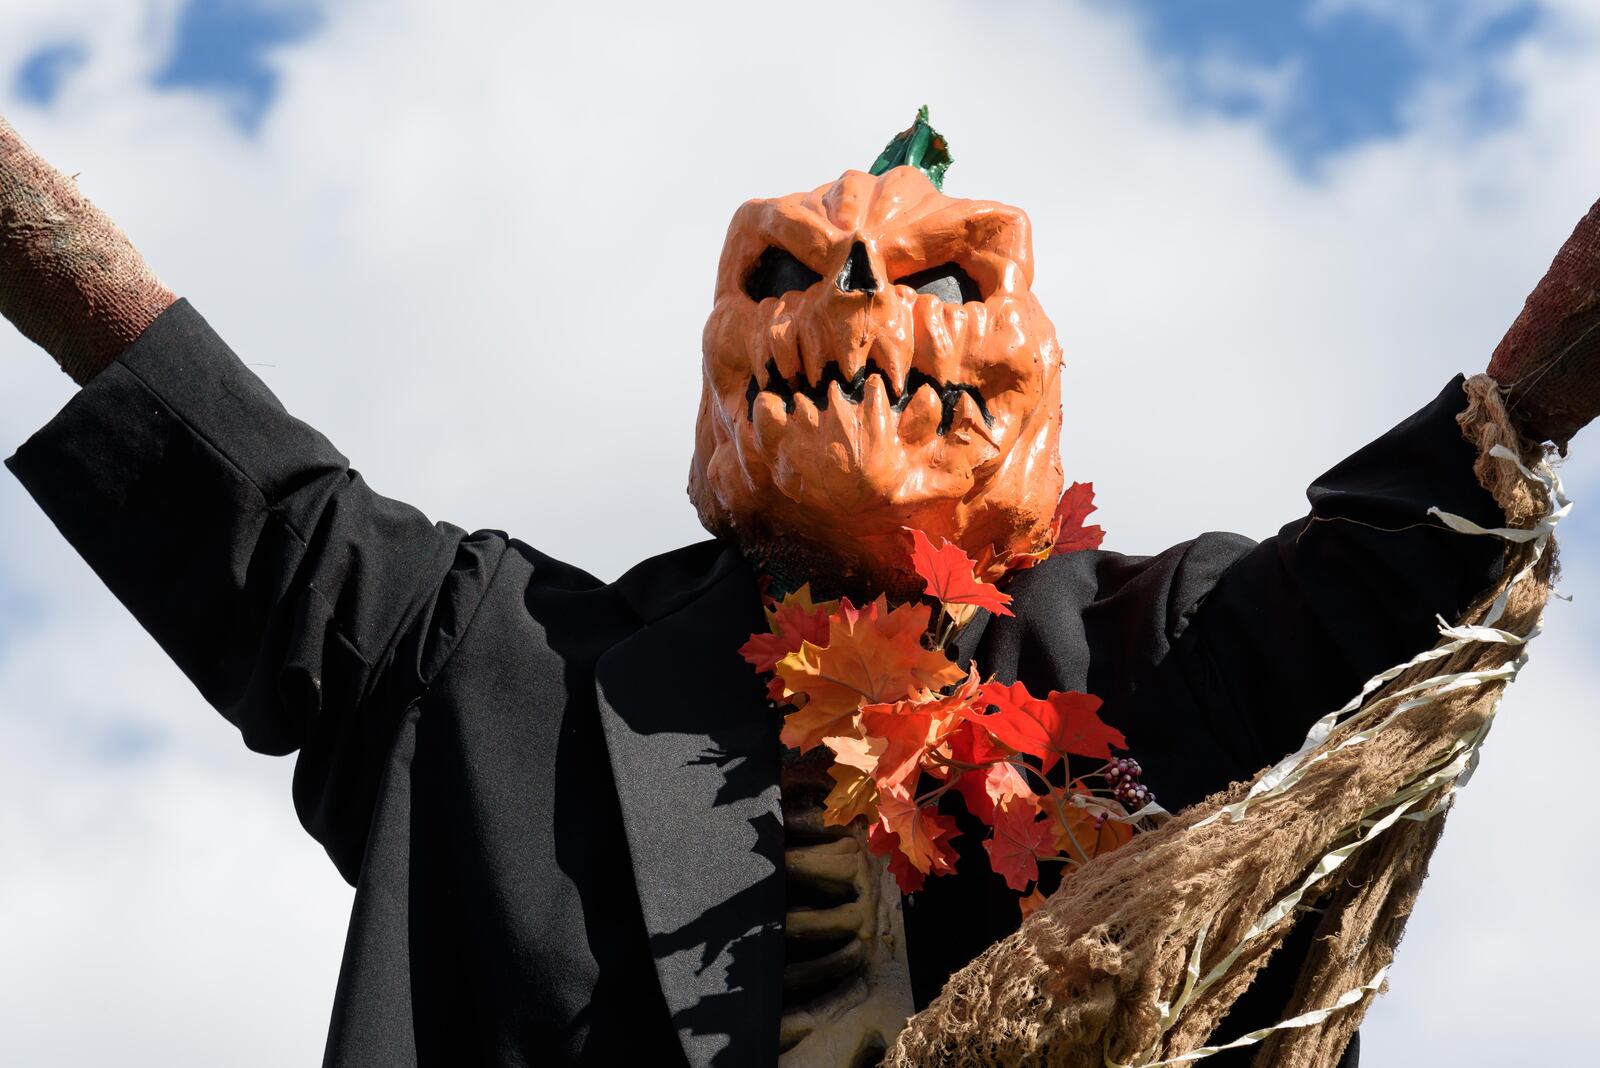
(806, 412)
(966, 421)
(770, 421)
(968, 412)
(875, 408)
(894, 359)
(812, 360)
(784, 353)
(843, 425)
(836, 397)
(855, 358)
(921, 417)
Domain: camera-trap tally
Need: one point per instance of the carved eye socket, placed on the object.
(778, 272)
(948, 282)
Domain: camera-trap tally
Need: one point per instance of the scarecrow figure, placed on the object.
(474, 722)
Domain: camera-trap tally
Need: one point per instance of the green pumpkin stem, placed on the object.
(920, 146)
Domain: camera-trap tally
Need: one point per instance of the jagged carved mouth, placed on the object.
(853, 389)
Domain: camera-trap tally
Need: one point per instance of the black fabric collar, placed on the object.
(694, 749)
(658, 587)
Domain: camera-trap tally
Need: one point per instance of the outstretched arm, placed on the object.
(69, 279)
(307, 608)
(1356, 587)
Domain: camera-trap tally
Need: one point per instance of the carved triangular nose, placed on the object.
(856, 275)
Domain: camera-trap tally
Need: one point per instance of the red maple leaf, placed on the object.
(1071, 535)
(951, 576)
(792, 623)
(887, 844)
(986, 790)
(984, 787)
(1020, 839)
(1048, 728)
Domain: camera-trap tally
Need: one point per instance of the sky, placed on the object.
(475, 244)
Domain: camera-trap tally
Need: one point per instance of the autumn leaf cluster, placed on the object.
(875, 685)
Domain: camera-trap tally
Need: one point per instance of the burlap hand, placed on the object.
(69, 279)
(1549, 361)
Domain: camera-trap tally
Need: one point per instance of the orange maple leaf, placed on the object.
(912, 727)
(918, 834)
(874, 655)
(1032, 903)
(951, 576)
(1079, 838)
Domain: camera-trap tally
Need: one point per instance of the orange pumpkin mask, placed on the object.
(875, 360)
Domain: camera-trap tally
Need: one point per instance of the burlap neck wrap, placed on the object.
(1101, 975)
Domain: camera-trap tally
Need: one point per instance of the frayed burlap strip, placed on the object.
(70, 281)
(1086, 978)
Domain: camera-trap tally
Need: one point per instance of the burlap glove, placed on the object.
(69, 279)
(1549, 361)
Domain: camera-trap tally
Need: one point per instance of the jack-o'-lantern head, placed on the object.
(875, 360)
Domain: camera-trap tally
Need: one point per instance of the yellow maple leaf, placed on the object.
(853, 795)
(801, 601)
(874, 655)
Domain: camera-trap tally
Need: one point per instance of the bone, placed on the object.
(835, 965)
(921, 416)
(823, 869)
(770, 421)
(852, 917)
(867, 989)
(821, 1016)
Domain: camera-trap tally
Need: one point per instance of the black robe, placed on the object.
(558, 798)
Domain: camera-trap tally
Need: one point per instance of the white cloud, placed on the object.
(475, 244)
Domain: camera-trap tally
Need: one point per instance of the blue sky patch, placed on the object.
(222, 47)
(45, 70)
(1324, 75)
(125, 742)
(19, 611)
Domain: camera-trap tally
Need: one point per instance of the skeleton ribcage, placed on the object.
(846, 989)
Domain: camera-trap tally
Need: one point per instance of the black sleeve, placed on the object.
(292, 595)
(1294, 626)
